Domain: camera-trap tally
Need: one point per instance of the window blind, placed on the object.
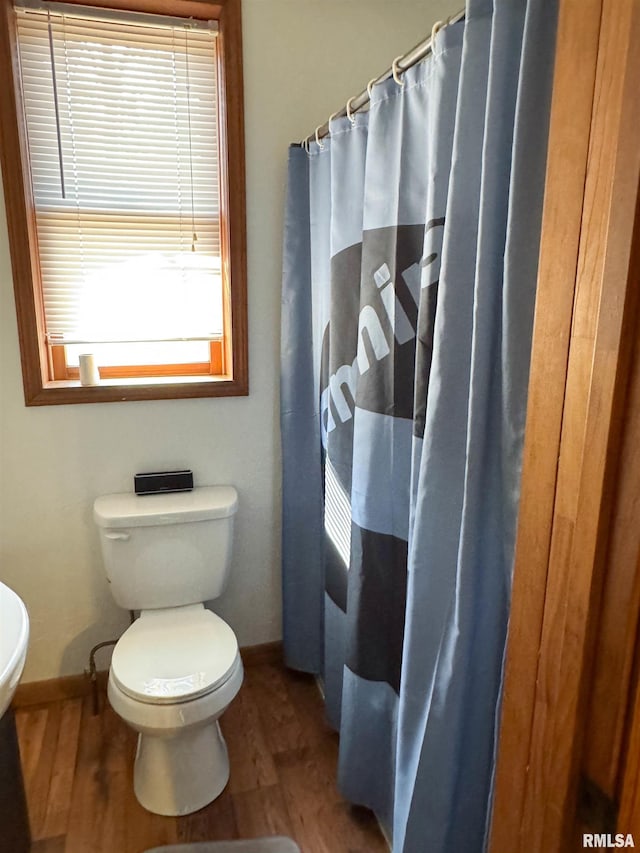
(121, 120)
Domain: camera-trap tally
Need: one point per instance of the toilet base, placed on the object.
(183, 772)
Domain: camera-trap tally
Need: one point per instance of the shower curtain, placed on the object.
(410, 261)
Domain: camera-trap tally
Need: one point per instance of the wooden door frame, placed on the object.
(584, 324)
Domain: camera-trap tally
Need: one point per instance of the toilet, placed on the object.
(177, 668)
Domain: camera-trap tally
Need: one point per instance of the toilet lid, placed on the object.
(174, 655)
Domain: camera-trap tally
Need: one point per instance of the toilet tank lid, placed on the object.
(131, 510)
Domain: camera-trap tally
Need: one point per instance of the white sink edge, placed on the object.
(14, 666)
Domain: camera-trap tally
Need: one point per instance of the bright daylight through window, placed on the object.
(127, 128)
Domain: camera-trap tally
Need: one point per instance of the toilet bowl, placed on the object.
(173, 674)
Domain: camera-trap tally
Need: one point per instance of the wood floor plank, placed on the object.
(250, 758)
(307, 778)
(90, 793)
(31, 727)
(311, 771)
(115, 741)
(39, 785)
(268, 686)
(216, 822)
(114, 834)
(322, 821)
(356, 829)
(305, 698)
(116, 765)
(261, 812)
(144, 830)
(64, 764)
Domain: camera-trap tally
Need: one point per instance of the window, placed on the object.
(122, 159)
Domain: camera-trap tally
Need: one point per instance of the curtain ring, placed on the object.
(318, 142)
(370, 85)
(305, 144)
(396, 71)
(350, 114)
(434, 30)
(331, 118)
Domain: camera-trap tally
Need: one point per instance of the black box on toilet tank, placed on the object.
(157, 482)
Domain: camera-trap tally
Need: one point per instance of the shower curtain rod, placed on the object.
(399, 66)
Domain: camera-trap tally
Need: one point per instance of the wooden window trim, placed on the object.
(37, 362)
(214, 367)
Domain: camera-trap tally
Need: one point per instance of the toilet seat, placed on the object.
(175, 655)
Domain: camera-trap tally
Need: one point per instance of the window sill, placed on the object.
(65, 392)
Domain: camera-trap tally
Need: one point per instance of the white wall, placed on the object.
(303, 59)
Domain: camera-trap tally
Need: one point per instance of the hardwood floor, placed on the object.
(78, 775)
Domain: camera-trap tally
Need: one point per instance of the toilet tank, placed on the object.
(166, 550)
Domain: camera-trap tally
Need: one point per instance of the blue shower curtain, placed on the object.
(411, 245)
